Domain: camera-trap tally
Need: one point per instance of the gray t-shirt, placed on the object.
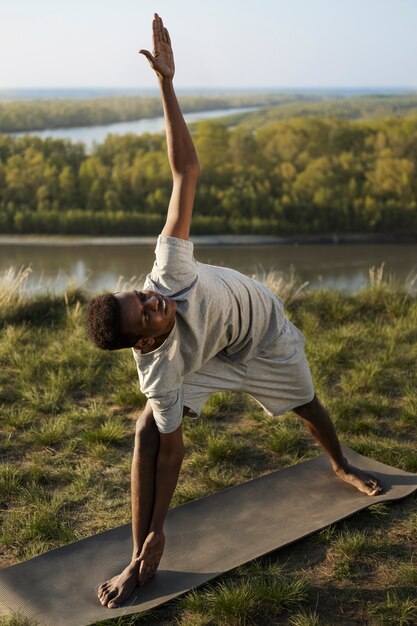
(219, 312)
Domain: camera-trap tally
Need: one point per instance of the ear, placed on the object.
(145, 343)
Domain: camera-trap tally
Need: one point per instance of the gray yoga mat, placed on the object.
(205, 538)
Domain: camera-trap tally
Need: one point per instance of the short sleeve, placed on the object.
(175, 268)
(168, 410)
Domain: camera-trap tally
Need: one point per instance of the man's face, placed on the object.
(146, 314)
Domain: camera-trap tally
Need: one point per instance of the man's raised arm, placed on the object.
(181, 152)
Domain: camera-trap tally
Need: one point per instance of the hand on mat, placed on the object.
(152, 551)
(162, 60)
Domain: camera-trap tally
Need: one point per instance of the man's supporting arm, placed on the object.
(168, 465)
(143, 477)
(182, 156)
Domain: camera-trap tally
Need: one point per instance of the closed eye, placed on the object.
(141, 298)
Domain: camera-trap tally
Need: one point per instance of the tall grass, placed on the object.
(287, 286)
(13, 284)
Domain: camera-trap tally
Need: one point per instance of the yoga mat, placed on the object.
(204, 538)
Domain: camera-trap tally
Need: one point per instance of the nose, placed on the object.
(152, 303)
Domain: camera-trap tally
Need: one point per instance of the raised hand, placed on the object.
(150, 556)
(162, 59)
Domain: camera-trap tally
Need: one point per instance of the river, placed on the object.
(104, 267)
(90, 135)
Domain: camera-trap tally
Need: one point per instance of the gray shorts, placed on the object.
(278, 377)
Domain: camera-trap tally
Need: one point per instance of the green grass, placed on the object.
(17, 620)
(353, 550)
(397, 610)
(308, 617)
(252, 593)
(67, 420)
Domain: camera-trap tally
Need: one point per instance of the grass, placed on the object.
(252, 593)
(67, 421)
(307, 617)
(396, 610)
(17, 620)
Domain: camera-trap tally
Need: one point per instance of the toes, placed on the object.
(114, 604)
(108, 596)
(103, 590)
(375, 489)
(373, 485)
(104, 598)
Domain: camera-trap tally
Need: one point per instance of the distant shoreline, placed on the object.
(17, 94)
(211, 240)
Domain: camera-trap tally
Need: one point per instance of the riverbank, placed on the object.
(213, 240)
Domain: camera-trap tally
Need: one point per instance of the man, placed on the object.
(196, 329)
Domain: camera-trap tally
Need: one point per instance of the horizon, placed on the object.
(83, 92)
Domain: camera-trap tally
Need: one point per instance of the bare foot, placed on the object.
(116, 590)
(363, 481)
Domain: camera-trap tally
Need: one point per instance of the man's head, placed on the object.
(126, 319)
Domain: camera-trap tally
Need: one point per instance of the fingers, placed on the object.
(155, 32)
(143, 570)
(160, 27)
(146, 571)
(148, 55)
(145, 552)
(157, 28)
(150, 556)
(147, 544)
(146, 577)
(160, 33)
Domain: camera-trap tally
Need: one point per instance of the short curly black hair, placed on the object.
(104, 324)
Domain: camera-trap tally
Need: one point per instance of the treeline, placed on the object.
(40, 114)
(32, 115)
(361, 107)
(290, 177)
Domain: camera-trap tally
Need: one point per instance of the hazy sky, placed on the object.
(218, 43)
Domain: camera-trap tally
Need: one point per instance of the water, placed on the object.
(96, 134)
(99, 268)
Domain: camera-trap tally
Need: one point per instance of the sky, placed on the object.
(218, 43)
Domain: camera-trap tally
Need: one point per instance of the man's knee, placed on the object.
(146, 433)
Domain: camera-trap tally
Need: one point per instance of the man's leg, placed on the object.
(114, 591)
(321, 427)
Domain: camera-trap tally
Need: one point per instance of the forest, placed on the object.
(361, 107)
(299, 175)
